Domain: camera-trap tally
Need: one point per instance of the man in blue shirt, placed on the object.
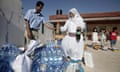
(33, 20)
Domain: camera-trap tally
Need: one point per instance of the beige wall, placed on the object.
(107, 26)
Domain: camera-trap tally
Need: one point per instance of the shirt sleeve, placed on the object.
(27, 16)
(64, 28)
(44, 21)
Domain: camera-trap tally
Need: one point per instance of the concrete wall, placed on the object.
(11, 22)
(47, 35)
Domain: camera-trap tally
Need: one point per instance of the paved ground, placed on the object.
(104, 61)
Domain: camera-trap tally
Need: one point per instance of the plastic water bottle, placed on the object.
(38, 69)
(43, 67)
(35, 67)
(47, 44)
(44, 58)
(50, 69)
(50, 56)
(60, 54)
(53, 43)
(55, 60)
(5, 66)
(59, 42)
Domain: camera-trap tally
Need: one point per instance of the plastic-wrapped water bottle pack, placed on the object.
(48, 59)
(9, 52)
(5, 66)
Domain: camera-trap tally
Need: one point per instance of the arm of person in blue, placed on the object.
(27, 22)
(49, 27)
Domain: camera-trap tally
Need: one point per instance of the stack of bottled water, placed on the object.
(55, 55)
(9, 52)
(5, 66)
(37, 53)
(49, 59)
(36, 66)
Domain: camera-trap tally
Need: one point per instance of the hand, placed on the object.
(52, 28)
(49, 27)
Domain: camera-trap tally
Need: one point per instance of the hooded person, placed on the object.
(73, 46)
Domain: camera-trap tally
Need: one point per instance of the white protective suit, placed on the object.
(70, 46)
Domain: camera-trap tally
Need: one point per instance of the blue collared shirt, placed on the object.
(35, 19)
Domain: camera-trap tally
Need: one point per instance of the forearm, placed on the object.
(49, 27)
(29, 34)
(64, 28)
(27, 26)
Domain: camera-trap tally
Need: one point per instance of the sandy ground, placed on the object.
(104, 61)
